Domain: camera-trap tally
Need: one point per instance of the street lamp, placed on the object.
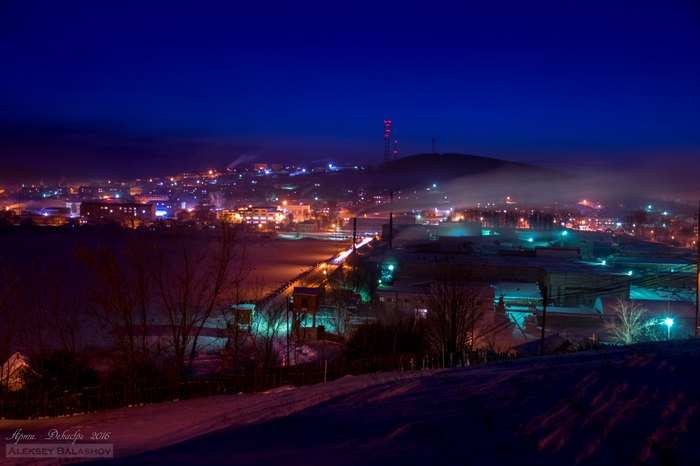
(668, 322)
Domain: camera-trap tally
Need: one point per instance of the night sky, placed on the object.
(133, 88)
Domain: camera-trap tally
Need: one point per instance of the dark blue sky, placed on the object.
(136, 86)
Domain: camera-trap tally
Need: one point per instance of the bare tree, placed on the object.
(268, 334)
(630, 323)
(10, 320)
(37, 325)
(455, 305)
(121, 297)
(341, 298)
(240, 323)
(199, 275)
(257, 333)
(341, 319)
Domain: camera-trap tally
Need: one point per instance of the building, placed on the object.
(253, 215)
(127, 213)
(150, 198)
(297, 213)
(409, 298)
(305, 306)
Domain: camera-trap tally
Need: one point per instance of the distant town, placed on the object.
(409, 271)
(324, 201)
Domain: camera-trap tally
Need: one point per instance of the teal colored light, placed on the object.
(564, 233)
(529, 240)
(668, 322)
(391, 267)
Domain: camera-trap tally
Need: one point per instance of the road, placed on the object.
(313, 277)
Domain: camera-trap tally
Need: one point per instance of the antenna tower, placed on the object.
(396, 149)
(387, 140)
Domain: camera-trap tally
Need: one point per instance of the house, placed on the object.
(15, 373)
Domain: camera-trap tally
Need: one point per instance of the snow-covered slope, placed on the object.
(636, 405)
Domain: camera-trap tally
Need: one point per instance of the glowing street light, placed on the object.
(668, 322)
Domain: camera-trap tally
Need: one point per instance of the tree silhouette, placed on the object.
(455, 306)
(198, 274)
(630, 323)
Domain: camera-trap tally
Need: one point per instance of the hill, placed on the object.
(441, 168)
(628, 406)
(416, 172)
(451, 165)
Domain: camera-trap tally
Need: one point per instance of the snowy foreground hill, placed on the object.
(627, 406)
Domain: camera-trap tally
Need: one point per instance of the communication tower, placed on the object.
(387, 140)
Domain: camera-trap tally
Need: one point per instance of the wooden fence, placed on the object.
(26, 404)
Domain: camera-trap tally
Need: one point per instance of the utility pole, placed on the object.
(391, 218)
(289, 362)
(697, 277)
(354, 234)
(354, 254)
(544, 317)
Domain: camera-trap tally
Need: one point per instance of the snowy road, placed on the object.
(618, 407)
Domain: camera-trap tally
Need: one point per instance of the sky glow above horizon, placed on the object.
(133, 88)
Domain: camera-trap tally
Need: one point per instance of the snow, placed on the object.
(622, 406)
